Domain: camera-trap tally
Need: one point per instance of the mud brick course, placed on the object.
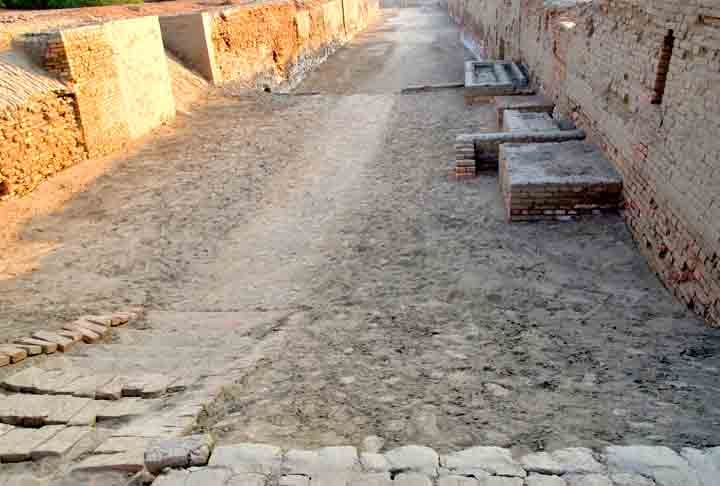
(557, 181)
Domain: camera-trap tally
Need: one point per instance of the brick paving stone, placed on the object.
(63, 344)
(111, 390)
(74, 335)
(455, 480)
(544, 480)
(372, 479)
(413, 458)
(86, 334)
(248, 458)
(60, 443)
(147, 385)
(624, 479)
(412, 479)
(294, 480)
(247, 480)
(541, 462)
(662, 464)
(32, 349)
(18, 444)
(705, 463)
(47, 347)
(13, 352)
(374, 462)
(494, 460)
(588, 480)
(577, 460)
(98, 329)
(25, 380)
(130, 461)
(178, 452)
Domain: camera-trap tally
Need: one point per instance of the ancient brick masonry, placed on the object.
(643, 80)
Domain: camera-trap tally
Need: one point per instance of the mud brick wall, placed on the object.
(272, 44)
(38, 139)
(603, 63)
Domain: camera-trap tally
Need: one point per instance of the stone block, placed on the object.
(248, 458)
(24, 381)
(74, 335)
(455, 480)
(533, 104)
(208, 476)
(63, 344)
(37, 410)
(4, 360)
(147, 385)
(374, 462)
(493, 460)
(47, 347)
(412, 479)
(543, 480)
(98, 329)
(247, 480)
(706, 464)
(17, 445)
(294, 480)
(413, 458)
(61, 443)
(542, 463)
(520, 121)
(588, 480)
(663, 465)
(328, 459)
(179, 452)
(577, 460)
(86, 334)
(372, 479)
(130, 461)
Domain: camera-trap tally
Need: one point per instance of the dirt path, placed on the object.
(419, 314)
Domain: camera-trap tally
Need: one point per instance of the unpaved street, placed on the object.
(398, 300)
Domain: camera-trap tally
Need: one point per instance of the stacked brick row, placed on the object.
(465, 159)
(604, 64)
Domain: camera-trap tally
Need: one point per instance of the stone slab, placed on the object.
(32, 349)
(327, 459)
(25, 380)
(294, 480)
(519, 121)
(413, 458)
(455, 480)
(208, 476)
(412, 479)
(37, 410)
(587, 480)
(247, 480)
(374, 462)
(98, 329)
(542, 463)
(663, 465)
(60, 443)
(18, 444)
(493, 460)
(111, 390)
(127, 407)
(15, 353)
(54, 381)
(577, 460)
(705, 463)
(86, 334)
(372, 479)
(147, 385)
(74, 335)
(131, 461)
(248, 458)
(534, 103)
(47, 347)
(117, 445)
(543, 480)
(87, 386)
(63, 344)
(179, 452)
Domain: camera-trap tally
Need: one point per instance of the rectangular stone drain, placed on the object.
(557, 181)
(487, 79)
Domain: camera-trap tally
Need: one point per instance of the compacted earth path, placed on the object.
(310, 266)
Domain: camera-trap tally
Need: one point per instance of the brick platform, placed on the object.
(526, 104)
(557, 181)
(479, 151)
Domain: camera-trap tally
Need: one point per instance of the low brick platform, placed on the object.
(478, 152)
(526, 104)
(557, 181)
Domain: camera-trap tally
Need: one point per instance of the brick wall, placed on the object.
(273, 44)
(601, 61)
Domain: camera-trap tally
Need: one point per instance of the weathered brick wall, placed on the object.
(38, 139)
(272, 44)
(600, 61)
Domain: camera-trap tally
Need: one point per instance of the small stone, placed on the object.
(541, 462)
(413, 458)
(183, 452)
(47, 347)
(412, 479)
(372, 479)
(248, 458)
(32, 349)
(14, 353)
(61, 443)
(624, 479)
(63, 344)
(577, 460)
(18, 444)
(372, 443)
(493, 460)
(373, 462)
(588, 480)
(454, 480)
(543, 480)
(294, 480)
(661, 464)
(496, 390)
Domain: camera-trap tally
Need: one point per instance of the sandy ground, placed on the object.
(418, 313)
